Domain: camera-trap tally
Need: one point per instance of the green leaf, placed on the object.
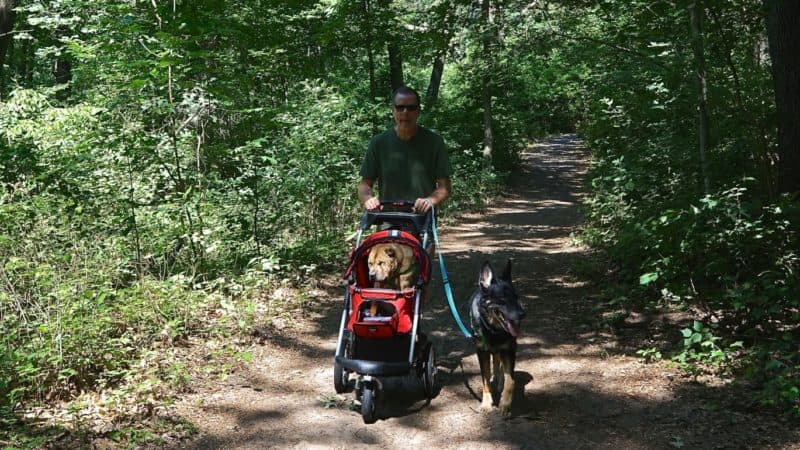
(138, 83)
(245, 356)
(773, 364)
(648, 278)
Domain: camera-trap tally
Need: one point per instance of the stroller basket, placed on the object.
(380, 313)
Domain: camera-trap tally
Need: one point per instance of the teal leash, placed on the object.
(445, 280)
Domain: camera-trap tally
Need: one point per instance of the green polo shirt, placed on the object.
(406, 170)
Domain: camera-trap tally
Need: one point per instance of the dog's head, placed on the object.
(383, 261)
(498, 302)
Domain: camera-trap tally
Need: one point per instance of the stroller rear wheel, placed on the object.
(341, 379)
(429, 371)
(341, 376)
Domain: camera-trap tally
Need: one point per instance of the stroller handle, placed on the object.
(419, 223)
(399, 203)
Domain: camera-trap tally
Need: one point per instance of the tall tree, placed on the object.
(395, 66)
(62, 72)
(443, 36)
(432, 92)
(370, 38)
(488, 38)
(7, 16)
(696, 18)
(390, 28)
(783, 31)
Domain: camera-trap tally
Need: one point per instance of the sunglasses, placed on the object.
(406, 107)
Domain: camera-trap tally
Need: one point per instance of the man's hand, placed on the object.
(372, 204)
(423, 205)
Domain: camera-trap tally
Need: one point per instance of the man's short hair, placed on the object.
(405, 90)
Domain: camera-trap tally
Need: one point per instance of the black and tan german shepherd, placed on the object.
(495, 314)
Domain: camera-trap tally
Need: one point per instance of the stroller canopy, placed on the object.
(358, 257)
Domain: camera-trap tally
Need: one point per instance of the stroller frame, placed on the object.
(383, 355)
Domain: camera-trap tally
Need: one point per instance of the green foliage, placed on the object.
(182, 162)
(332, 401)
(729, 253)
(782, 387)
(701, 350)
(649, 354)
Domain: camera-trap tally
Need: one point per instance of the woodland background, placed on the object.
(163, 164)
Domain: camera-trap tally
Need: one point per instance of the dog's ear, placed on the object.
(486, 275)
(389, 252)
(507, 272)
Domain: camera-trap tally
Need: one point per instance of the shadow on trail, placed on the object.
(568, 416)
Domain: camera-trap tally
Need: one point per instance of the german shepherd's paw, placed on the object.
(505, 400)
(487, 403)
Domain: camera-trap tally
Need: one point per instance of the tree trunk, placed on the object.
(395, 66)
(783, 31)
(445, 35)
(7, 17)
(384, 17)
(432, 93)
(373, 86)
(62, 71)
(696, 15)
(726, 45)
(62, 68)
(26, 62)
(488, 132)
(768, 158)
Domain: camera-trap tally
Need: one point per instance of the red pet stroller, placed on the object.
(388, 343)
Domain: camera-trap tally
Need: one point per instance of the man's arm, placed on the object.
(437, 197)
(366, 195)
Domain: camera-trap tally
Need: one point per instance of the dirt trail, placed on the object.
(577, 387)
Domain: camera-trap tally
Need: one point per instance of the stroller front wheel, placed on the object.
(368, 406)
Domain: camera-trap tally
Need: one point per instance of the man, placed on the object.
(408, 161)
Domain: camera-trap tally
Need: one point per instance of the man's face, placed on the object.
(405, 109)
